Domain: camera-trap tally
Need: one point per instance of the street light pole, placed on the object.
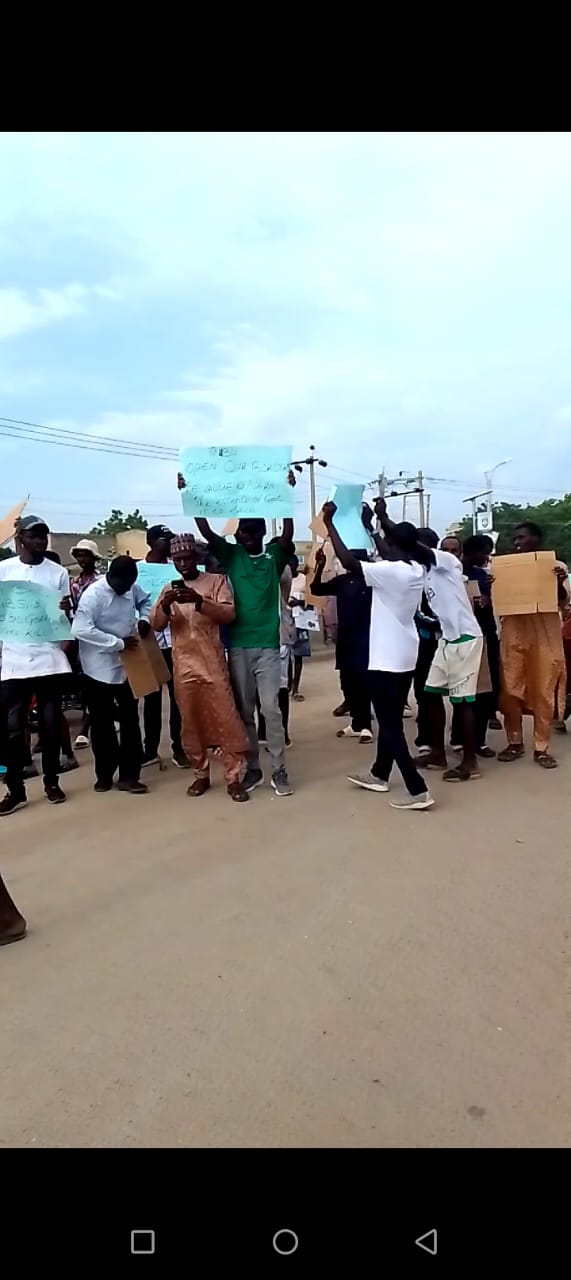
(473, 499)
(311, 462)
(488, 477)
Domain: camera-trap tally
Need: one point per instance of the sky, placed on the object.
(400, 300)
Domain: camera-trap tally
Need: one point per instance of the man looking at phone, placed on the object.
(105, 625)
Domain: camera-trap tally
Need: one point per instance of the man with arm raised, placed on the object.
(254, 636)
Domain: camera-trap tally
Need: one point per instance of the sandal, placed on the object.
(298, 697)
(514, 752)
(199, 787)
(237, 792)
(460, 774)
(545, 760)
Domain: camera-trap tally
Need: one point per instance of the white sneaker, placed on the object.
(348, 732)
(423, 801)
(366, 736)
(81, 741)
(368, 781)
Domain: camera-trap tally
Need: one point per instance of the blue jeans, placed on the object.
(259, 671)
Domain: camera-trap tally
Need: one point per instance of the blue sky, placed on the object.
(400, 300)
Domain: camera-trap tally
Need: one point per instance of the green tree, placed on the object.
(553, 516)
(5, 553)
(118, 523)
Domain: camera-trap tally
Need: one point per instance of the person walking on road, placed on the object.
(532, 665)
(254, 636)
(194, 610)
(397, 581)
(32, 670)
(105, 624)
(159, 539)
(352, 647)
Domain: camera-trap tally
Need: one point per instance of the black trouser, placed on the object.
(153, 715)
(355, 686)
(426, 652)
(107, 703)
(16, 698)
(484, 708)
(389, 691)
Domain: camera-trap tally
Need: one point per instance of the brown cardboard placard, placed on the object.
(319, 602)
(131, 542)
(145, 667)
(7, 522)
(318, 527)
(524, 583)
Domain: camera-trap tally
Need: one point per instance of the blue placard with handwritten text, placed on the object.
(237, 481)
(30, 614)
(348, 522)
(153, 577)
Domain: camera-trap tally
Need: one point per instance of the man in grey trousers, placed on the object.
(254, 636)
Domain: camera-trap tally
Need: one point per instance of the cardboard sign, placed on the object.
(348, 523)
(30, 614)
(318, 527)
(145, 667)
(305, 619)
(7, 523)
(319, 602)
(524, 583)
(237, 481)
(153, 577)
(131, 542)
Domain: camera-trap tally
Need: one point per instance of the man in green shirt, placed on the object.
(254, 636)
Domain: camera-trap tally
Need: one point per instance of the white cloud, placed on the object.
(23, 310)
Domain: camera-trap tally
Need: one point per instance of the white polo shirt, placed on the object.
(29, 661)
(447, 596)
(396, 595)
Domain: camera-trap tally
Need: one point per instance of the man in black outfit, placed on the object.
(159, 538)
(352, 647)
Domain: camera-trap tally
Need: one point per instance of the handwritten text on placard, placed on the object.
(30, 614)
(240, 481)
(153, 577)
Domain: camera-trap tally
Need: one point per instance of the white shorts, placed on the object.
(285, 654)
(455, 669)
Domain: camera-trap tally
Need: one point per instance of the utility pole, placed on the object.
(311, 462)
(421, 500)
(473, 499)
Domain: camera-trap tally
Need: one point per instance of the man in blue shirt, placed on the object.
(105, 625)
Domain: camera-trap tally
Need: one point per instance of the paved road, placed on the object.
(320, 971)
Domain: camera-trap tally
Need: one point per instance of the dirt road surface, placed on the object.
(314, 971)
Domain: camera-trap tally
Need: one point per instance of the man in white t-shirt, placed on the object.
(456, 664)
(397, 582)
(30, 670)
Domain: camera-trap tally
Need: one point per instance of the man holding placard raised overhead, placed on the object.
(33, 668)
(254, 636)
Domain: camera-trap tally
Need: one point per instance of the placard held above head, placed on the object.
(349, 501)
(237, 481)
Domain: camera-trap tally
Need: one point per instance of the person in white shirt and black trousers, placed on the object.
(30, 670)
(105, 624)
(397, 582)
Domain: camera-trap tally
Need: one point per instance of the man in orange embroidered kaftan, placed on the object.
(195, 608)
